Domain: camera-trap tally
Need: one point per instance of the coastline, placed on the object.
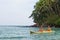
(34, 25)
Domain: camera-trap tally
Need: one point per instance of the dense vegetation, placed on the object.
(47, 12)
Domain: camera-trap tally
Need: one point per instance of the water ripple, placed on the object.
(12, 37)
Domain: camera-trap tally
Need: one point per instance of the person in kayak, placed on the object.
(41, 29)
(49, 29)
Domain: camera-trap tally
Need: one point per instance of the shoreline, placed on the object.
(57, 26)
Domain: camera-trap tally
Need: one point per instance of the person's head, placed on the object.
(48, 26)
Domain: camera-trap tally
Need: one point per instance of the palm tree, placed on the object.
(45, 12)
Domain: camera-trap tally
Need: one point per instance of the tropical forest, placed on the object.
(46, 12)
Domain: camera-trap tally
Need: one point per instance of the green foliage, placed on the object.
(47, 12)
(57, 22)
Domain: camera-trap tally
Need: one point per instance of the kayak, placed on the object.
(31, 32)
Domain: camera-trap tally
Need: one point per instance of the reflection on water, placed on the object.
(23, 33)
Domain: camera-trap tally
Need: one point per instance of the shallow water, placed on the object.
(23, 33)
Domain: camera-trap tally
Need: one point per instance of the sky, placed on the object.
(16, 12)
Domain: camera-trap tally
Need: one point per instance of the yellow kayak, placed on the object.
(31, 32)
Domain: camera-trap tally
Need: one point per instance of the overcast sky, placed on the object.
(16, 12)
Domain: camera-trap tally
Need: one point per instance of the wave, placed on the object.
(12, 37)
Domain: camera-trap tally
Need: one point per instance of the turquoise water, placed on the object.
(23, 33)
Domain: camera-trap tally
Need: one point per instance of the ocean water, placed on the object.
(23, 33)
